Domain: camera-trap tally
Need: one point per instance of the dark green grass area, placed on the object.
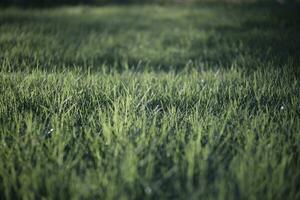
(150, 102)
(149, 37)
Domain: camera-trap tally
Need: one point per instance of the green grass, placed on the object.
(149, 102)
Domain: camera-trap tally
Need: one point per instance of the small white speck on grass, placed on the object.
(202, 81)
(50, 131)
(282, 108)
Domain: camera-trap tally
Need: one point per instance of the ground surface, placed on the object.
(150, 102)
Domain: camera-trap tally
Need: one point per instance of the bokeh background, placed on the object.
(46, 3)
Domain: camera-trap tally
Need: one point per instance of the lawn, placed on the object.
(150, 102)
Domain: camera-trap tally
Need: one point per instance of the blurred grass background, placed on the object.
(47, 3)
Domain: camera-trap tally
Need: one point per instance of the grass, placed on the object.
(150, 102)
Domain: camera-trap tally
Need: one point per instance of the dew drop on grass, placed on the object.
(50, 131)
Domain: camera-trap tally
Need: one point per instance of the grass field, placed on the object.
(150, 102)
